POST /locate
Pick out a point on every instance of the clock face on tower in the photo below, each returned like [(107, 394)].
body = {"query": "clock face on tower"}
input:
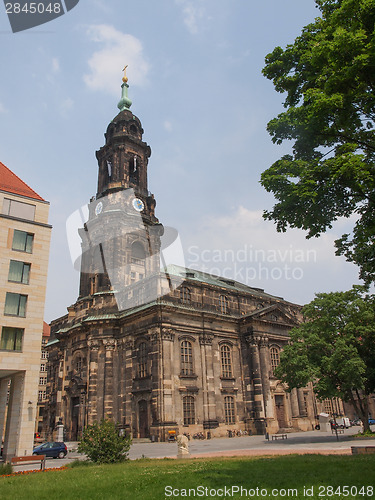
[(99, 208), (138, 205)]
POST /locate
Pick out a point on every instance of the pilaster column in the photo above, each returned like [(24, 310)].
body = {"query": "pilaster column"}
[(256, 375), (167, 340), (20, 426), (121, 370), (209, 407), (92, 396), (109, 345), (301, 403), (3, 403), (294, 403), (128, 348), (265, 368)]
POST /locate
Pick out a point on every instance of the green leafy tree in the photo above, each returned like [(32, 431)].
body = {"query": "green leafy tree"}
[(334, 349), (102, 443), (328, 75)]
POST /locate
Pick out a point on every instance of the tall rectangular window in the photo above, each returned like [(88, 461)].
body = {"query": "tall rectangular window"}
[(275, 357), (11, 339), (328, 408), (226, 361), (188, 406), (186, 358), (22, 241), (19, 272), (229, 413), (15, 304), (42, 395), (142, 360), (18, 209)]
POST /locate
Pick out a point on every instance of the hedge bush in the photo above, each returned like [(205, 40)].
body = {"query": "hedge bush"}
[(103, 444)]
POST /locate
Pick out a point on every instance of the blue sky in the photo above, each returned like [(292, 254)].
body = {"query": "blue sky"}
[(196, 85)]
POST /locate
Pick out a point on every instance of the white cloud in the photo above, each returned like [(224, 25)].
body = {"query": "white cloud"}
[(192, 13), (116, 50), (55, 65), (248, 227), (103, 6), (245, 247), (66, 106), (168, 126)]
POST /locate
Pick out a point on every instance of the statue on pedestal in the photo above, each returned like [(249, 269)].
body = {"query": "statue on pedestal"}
[(60, 431), (182, 446)]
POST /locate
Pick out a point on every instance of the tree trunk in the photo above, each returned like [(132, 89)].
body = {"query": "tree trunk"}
[(361, 407)]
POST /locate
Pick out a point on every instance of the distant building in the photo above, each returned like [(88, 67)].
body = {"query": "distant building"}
[(155, 357), (24, 251), (42, 389)]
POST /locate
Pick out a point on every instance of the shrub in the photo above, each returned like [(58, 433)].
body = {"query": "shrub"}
[(365, 434), (102, 443), (6, 469)]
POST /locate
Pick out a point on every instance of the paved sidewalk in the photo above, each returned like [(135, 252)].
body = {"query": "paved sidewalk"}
[(297, 442), (324, 443)]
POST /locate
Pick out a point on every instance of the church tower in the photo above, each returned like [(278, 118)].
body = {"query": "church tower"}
[(121, 239)]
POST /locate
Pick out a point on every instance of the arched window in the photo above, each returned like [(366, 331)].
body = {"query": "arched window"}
[(224, 304), (186, 358), (142, 360), (138, 254), (275, 357), (133, 169), (230, 417), (188, 406), (185, 295), (226, 361)]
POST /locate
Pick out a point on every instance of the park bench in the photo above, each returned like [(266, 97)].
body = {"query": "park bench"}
[(32, 459), (279, 436)]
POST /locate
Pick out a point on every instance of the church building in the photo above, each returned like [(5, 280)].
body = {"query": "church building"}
[(162, 349)]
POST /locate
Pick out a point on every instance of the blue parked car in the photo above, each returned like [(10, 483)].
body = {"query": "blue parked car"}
[(55, 450), (371, 421)]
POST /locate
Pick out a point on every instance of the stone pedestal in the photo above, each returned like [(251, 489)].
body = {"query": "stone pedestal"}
[(60, 432)]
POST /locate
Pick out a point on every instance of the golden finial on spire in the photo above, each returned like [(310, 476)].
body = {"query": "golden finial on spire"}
[(125, 78)]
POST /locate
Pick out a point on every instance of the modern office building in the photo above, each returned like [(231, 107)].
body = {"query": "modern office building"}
[(24, 251)]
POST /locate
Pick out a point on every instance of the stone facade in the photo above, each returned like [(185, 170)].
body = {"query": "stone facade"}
[(162, 350), (24, 251), (176, 366)]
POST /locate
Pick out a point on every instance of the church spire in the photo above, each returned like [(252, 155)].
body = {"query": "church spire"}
[(124, 102)]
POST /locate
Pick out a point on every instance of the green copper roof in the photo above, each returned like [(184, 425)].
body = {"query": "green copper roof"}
[(52, 342), (211, 279)]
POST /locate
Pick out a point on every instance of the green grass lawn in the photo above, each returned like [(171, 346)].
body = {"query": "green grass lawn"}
[(155, 479)]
